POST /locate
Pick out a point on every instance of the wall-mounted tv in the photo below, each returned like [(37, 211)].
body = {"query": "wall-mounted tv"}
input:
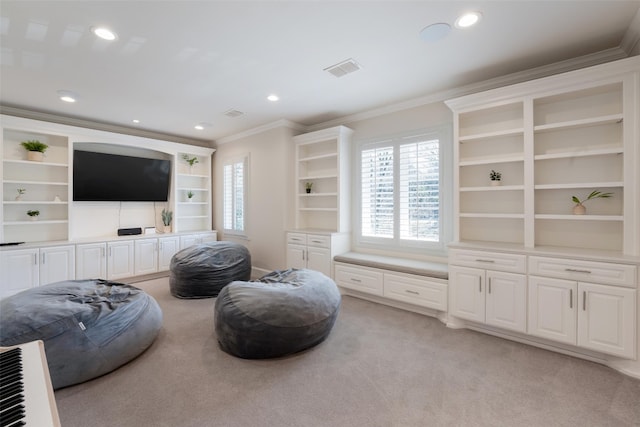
[(102, 177)]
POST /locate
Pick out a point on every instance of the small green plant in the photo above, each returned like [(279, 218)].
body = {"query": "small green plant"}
[(595, 194), (167, 217), (308, 186), (33, 214), (190, 194), (495, 176), (191, 160), (21, 191), (34, 145)]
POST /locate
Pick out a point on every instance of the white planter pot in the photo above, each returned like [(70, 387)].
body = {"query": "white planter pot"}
[(496, 183), (35, 156)]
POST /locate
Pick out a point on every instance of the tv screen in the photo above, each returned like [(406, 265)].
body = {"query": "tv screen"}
[(101, 177)]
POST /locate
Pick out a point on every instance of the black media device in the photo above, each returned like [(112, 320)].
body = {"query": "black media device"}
[(102, 177), (129, 231)]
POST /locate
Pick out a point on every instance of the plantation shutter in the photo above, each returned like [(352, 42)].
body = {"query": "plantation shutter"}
[(377, 192)]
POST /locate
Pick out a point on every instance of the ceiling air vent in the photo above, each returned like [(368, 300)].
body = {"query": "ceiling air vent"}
[(233, 113), (343, 68)]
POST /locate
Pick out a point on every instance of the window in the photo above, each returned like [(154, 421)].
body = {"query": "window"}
[(401, 192), (234, 197)]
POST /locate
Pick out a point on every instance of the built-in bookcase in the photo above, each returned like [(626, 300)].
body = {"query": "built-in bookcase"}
[(193, 214), (552, 139)]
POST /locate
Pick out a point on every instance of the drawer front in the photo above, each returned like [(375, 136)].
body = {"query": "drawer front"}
[(297, 238), (318, 241), (359, 279), (512, 263), (584, 271), (416, 290)]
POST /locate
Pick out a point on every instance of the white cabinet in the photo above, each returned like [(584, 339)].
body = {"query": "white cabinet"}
[(322, 160), (315, 251), (492, 296), (167, 247), (27, 268), (146, 256), (596, 316), (120, 259), (408, 288), (57, 263), (19, 271), (196, 239), (91, 261)]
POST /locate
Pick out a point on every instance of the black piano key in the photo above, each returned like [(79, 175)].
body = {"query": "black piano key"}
[(10, 356), (15, 414), (11, 401), (15, 388), (8, 379)]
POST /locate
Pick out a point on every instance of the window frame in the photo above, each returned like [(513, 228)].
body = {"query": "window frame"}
[(231, 161), (443, 134)]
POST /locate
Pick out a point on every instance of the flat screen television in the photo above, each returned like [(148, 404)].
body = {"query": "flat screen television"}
[(102, 177)]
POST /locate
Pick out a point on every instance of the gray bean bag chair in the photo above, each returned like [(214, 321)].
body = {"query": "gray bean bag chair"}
[(89, 327), (201, 271), (282, 313)]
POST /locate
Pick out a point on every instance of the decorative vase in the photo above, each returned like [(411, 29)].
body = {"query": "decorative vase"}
[(579, 209), (496, 183), (33, 218), (18, 198), (190, 199), (167, 229), (35, 156), (308, 190)]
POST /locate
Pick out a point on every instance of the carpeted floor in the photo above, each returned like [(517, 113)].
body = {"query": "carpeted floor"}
[(379, 367)]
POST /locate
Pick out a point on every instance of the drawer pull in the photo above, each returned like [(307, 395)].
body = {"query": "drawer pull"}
[(491, 261), (316, 241), (584, 300), (574, 270), (295, 239), (412, 292), (356, 280)]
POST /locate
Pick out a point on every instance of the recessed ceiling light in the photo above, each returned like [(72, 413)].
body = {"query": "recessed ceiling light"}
[(202, 126), (468, 19), (67, 96), (136, 121), (273, 98), (104, 33)]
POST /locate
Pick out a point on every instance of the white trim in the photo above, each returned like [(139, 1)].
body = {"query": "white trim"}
[(631, 37)]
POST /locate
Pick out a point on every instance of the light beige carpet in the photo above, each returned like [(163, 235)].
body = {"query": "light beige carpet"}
[(379, 367)]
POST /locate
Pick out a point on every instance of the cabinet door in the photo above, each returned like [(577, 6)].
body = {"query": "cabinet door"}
[(208, 237), (467, 293), (168, 248), (552, 309), (606, 319), (120, 260), (189, 240), (57, 264), (296, 256), (146, 256), (506, 300), (319, 259), (91, 261), (19, 271)]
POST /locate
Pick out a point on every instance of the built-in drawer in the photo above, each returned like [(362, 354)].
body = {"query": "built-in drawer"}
[(359, 278), (416, 290), (512, 263), (318, 240), (297, 238), (584, 271)]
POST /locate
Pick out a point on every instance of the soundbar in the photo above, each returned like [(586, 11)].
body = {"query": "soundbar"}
[(129, 231)]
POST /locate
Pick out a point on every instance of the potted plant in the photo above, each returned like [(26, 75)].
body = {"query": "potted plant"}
[(191, 160), (167, 217), (35, 149), (190, 195), (20, 191), (579, 208), (308, 186), (33, 214), (495, 177)]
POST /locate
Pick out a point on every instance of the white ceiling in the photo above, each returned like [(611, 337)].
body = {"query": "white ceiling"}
[(178, 63)]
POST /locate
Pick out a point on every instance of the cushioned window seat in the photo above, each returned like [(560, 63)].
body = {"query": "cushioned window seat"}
[(400, 265)]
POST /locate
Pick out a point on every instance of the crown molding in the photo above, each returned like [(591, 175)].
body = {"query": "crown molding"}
[(597, 58), (10, 110), (631, 40), (263, 128)]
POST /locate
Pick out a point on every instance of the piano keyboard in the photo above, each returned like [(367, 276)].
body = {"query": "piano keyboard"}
[(26, 395)]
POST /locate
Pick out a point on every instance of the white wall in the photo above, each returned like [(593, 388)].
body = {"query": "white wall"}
[(268, 213)]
